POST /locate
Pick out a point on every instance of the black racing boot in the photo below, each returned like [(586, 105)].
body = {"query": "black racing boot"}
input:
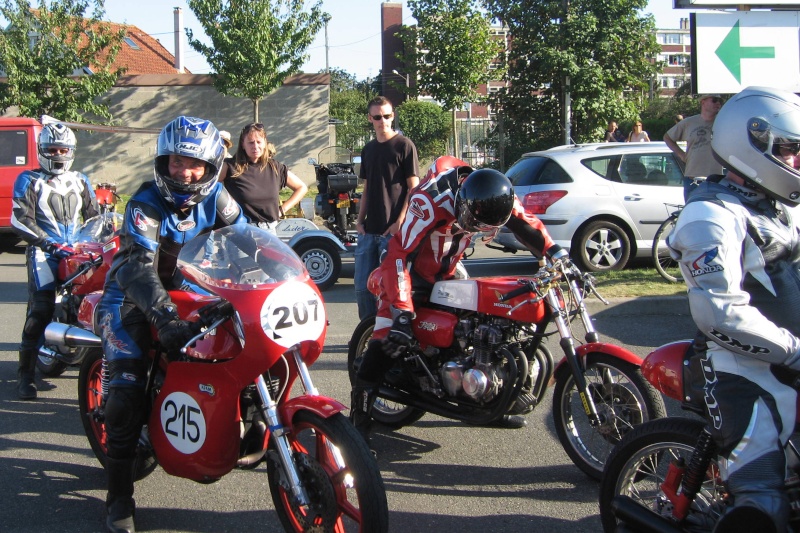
[(510, 422), (362, 398), (119, 501), (26, 372)]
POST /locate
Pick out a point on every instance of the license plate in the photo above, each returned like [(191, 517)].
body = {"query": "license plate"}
[(342, 203)]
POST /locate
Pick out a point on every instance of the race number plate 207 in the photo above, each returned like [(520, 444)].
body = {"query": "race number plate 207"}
[(293, 313)]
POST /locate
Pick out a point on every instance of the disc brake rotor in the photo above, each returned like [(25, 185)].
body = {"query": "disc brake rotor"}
[(322, 511)]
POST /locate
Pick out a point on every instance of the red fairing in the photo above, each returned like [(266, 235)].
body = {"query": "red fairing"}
[(491, 289), (433, 327), (96, 278), (663, 367), (86, 310)]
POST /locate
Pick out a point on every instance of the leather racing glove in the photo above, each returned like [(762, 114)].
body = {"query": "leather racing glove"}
[(173, 333), (400, 336), (58, 250)]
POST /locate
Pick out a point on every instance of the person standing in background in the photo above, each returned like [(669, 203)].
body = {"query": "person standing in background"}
[(637, 134), (47, 207), (696, 131), (255, 179), (611, 132), (389, 169)]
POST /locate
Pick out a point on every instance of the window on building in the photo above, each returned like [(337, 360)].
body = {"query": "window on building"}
[(130, 42), (673, 38)]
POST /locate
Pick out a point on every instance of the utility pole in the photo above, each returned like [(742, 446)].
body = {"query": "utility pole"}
[(325, 19)]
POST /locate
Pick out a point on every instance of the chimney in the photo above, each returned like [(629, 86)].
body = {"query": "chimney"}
[(178, 40)]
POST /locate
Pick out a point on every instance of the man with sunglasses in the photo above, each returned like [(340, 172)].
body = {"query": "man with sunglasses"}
[(698, 160), (389, 169)]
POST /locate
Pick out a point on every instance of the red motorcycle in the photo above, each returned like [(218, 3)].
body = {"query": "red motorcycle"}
[(228, 402), (479, 354), (78, 275), (665, 474)]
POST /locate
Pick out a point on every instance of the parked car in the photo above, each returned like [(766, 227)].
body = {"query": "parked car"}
[(603, 202)]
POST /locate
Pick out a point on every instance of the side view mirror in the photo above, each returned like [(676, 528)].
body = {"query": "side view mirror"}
[(312, 161), (357, 160)]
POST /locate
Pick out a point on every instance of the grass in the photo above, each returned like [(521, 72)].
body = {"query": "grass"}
[(636, 281)]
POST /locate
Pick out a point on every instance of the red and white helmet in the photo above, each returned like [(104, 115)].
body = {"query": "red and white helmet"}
[(445, 164)]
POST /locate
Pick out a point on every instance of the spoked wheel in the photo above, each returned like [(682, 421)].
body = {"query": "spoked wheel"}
[(340, 476), (388, 413), (623, 399), (90, 403), (664, 263), (638, 467)]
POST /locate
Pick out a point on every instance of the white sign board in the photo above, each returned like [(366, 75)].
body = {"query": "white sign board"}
[(731, 51)]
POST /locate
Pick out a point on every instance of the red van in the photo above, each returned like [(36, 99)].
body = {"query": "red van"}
[(18, 138)]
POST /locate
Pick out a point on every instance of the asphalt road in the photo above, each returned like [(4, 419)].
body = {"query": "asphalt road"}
[(440, 475)]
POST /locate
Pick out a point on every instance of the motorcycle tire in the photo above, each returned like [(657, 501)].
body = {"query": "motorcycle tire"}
[(50, 366), (90, 408), (391, 414), (322, 261), (638, 466), (624, 402), (340, 476)]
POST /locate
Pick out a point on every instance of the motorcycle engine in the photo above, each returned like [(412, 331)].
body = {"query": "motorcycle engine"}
[(481, 375)]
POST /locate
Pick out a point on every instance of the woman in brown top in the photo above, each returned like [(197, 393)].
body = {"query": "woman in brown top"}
[(255, 179)]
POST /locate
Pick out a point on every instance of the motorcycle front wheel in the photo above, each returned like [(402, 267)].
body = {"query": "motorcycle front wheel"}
[(90, 407), (623, 398), (392, 414), (339, 474), (638, 467)]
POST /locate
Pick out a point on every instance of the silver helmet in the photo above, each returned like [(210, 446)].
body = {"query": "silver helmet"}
[(56, 136), (748, 134), (188, 137)]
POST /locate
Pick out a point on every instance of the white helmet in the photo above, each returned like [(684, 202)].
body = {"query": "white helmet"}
[(748, 133), (56, 136)]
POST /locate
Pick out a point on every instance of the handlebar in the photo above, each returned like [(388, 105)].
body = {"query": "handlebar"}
[(210, 316)]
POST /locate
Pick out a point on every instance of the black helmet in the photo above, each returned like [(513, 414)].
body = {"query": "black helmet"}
[(189, 137), (484, 201)]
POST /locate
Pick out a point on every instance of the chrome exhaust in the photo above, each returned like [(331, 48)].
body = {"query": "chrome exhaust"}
[(66, 336)]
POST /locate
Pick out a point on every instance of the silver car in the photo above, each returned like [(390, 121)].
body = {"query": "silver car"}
[(603, 202)]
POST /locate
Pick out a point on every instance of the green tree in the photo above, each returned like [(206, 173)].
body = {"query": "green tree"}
[(604, 47), (349, 111), (449, 51), (255, 44), (58, 61), (428, 125)]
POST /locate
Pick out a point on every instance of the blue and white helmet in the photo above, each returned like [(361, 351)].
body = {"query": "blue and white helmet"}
[(188, 137), (56, 136)]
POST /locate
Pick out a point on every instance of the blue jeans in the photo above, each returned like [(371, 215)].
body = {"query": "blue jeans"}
[(689, 185), (367, 258)]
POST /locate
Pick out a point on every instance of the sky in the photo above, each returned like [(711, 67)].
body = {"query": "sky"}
[(354, 43)]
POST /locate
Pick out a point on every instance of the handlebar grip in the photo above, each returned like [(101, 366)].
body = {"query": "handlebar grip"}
[(516, 292)]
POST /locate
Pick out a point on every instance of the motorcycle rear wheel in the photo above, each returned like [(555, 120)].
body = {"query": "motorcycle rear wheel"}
[(623, 399), (50, 366), (346, 492), (392, 414), (90, 407), (638, 466)]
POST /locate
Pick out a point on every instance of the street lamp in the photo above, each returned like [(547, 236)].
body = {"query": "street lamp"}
[(407, 78)]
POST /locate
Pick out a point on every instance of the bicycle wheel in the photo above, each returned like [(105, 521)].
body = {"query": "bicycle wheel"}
[(665, 265)]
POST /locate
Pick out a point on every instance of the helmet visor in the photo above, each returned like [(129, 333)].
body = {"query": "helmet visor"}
[(772, 140), (58, 153)]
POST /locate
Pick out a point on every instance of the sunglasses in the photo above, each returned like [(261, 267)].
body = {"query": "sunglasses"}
[(254, 126), (715, 100), (794, 148), (378, 117)]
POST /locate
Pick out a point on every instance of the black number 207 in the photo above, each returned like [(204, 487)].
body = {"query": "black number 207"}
[(299, 314)]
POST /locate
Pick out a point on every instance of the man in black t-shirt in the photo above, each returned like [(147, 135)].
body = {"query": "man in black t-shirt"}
[(389, 168)]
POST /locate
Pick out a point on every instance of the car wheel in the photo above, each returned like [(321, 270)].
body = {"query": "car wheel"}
[(601, 245)]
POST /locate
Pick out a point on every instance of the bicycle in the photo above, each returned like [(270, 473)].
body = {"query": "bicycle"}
[(664, 263)]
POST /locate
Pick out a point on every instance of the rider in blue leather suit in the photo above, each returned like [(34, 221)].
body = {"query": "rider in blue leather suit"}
[(48, 204), (184, 200)]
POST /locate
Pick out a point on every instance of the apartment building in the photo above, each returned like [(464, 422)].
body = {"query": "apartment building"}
[(675, 55)]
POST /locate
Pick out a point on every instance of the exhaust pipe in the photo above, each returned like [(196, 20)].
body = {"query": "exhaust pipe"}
[(66, 336), (641, 519)]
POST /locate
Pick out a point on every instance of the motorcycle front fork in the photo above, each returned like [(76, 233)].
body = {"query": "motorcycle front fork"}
[(278, 431), (555, 300)]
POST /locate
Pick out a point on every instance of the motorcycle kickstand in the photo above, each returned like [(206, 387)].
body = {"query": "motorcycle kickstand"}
[(269, 411)]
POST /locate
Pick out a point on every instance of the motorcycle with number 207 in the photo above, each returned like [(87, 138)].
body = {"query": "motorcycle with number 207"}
[(227, 401), (478, 354)]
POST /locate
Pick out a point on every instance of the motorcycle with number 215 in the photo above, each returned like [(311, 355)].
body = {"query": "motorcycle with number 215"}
[(227, 401), (478, 354)]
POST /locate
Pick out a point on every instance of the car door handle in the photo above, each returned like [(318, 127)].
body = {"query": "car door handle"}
[(634, 198)]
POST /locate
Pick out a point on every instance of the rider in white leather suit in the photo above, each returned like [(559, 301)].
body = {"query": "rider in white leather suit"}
[(739, 251)]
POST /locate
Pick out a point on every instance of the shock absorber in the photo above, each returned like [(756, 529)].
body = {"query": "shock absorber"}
[(695, 473)]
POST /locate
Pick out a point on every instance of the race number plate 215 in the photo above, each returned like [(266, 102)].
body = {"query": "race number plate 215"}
[(293, 313)]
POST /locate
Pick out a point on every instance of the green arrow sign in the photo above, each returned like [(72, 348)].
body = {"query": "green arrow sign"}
[(731, 52)]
